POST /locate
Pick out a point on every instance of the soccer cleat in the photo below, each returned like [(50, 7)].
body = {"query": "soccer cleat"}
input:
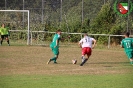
[(49, 61), (81, 64), (55, 62)]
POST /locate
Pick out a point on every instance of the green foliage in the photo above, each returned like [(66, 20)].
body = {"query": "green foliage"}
[(103, 40), (98, 17), (104, 20), (116, 29), (75, 38), (103, 23)]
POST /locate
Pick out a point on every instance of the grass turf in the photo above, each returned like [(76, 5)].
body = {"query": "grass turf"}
[(25, 67), (67, 81)]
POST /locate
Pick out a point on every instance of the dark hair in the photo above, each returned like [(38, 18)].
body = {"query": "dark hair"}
[(58, 31), (85, 34), (127, 34)]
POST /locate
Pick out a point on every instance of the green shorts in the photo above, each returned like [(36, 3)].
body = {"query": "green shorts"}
[(55, 50), (129, 54)]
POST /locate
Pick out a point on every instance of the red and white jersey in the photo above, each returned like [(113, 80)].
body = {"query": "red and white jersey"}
[(86, 42)]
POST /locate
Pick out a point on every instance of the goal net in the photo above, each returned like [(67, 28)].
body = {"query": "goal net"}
[(18, 22)]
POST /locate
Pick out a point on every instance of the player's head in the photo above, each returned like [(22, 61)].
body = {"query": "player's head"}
[(85, 34), (127, 34), (3, 25), (58, 31)]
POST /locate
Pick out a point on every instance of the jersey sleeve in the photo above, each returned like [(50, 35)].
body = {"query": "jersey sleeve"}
[(81, 41), (92, 39), (58, 37), (122, 43)]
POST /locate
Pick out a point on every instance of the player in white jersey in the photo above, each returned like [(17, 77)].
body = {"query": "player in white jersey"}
[(86, 43)]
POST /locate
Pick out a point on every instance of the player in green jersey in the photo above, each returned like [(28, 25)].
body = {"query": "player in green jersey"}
[(4, 34), (127, 44), (55, 46)]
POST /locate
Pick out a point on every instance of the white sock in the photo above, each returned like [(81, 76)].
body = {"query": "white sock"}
[(83, 58)]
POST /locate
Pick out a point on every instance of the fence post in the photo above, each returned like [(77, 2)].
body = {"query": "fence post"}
[(31, 37), (81, 35), (109, 42)]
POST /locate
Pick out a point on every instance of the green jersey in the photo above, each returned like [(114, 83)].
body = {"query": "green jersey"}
[(4, 31), (127, 44), (55, 38)]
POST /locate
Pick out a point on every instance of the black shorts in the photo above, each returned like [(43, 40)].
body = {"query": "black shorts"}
[(4, 36)]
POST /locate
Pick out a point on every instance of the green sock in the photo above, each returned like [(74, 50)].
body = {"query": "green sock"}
[(131, 62), (53, 59)]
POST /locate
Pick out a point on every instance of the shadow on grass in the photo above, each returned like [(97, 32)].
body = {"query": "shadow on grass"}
[(110, 63)]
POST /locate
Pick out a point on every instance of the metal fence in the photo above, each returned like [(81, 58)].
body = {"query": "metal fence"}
[(53, 12), (45, 38)]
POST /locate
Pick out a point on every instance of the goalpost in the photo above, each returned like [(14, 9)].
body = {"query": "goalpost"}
[(20, 17)]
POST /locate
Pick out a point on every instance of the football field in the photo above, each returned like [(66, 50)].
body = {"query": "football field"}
[(25, 67)]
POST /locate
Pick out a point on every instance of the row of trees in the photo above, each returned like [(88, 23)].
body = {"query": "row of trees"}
[(99, 17)]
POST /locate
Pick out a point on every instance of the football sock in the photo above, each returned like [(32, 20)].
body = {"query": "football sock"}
[(8, 41), (1, 42), (82, 58), (83, 62), (53, 59), (131, 62)]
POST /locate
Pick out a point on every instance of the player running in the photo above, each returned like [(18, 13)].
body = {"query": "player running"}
[(86, 43), (127, 44), (4, 34), (55, 46)]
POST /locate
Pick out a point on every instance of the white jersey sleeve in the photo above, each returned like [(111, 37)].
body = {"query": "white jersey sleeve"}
[(86, 42)]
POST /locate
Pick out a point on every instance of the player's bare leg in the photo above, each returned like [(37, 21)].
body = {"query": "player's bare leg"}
[(7, 41), (131, 61)]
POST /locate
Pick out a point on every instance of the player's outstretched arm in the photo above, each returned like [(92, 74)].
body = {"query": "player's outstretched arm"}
[(56, 43), (80, 45), (94, 43), (122, 45)]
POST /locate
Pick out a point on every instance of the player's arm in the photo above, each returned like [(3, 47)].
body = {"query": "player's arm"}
[(94, 43), (57, 41), (122, 45), (80, 45)]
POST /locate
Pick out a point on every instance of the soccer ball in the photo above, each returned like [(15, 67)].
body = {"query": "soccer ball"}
[(74, 61)]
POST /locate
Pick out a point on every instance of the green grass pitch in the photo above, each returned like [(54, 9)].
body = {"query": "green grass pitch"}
[(25, 67)]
